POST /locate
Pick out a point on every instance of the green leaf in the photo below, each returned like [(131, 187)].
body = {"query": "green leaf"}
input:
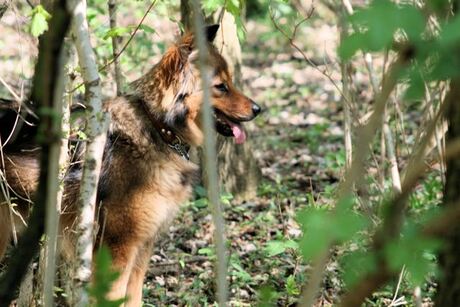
[(317, 235), (322, 228), (116, 32), (416, 89), (147, 29), (450, 34), (414, 252), (274, 248), (351, 45), (201, 203), (241, 273), (291, 286), (356, 265), (104, 277), (267, 296), (210, 6), (206, 251), (39, 22), (233, 7), (376, 25)]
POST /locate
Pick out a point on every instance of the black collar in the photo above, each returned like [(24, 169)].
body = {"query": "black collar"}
[(167, 134)]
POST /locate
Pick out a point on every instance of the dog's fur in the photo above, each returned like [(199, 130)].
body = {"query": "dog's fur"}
[(143, 179)]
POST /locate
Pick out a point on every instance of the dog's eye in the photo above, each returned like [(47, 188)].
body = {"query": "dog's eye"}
[(222, 87)]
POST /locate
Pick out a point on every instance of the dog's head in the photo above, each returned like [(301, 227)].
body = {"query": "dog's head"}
[(182, 101)]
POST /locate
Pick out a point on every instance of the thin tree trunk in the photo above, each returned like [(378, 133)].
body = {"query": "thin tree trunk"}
[(449, 284), (96, 137), (210, 158), (60, 167), (44, 95)]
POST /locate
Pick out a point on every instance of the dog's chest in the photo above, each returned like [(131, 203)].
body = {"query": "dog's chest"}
[(155, 200)]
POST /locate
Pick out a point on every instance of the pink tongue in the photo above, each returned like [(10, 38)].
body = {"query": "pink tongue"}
[(238, 133)]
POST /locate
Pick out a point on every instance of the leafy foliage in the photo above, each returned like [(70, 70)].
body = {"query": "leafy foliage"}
[(321, 228), (39, 23), (104, 277)]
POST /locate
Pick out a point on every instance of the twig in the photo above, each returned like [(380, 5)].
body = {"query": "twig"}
[(344, 69), (397, 301), (291, 40)]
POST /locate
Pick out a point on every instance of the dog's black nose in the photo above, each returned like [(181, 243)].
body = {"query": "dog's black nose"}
[(255, 108)]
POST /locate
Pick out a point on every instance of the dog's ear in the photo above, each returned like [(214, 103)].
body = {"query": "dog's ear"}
[(211, 32), (187, 40)]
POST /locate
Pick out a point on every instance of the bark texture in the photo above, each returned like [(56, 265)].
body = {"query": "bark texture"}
[(96, 133)]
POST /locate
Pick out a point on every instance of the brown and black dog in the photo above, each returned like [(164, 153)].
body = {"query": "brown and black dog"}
[(146, 173)]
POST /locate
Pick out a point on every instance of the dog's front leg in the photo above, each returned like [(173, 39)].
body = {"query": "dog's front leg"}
[(136, 280)]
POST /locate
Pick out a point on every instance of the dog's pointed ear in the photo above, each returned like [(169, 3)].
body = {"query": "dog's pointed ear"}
[(211, 32)]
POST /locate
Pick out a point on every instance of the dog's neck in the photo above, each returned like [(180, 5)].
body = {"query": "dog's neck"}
[(166, 133), (159, 91)]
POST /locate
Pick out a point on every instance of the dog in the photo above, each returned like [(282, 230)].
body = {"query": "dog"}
[(146, 172)]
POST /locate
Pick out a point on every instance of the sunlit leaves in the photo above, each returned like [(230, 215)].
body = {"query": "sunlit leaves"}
[(414, 252), (116, 32), (39, 23), (434, 54), (375, 27)]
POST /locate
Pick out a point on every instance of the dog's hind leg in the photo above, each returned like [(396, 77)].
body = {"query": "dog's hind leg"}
[(136, 280)]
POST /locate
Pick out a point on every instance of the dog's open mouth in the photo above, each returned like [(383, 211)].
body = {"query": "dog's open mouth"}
[(229, 127)]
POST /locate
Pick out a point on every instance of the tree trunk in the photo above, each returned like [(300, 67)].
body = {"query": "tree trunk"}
[(97, 125), (449, 284)]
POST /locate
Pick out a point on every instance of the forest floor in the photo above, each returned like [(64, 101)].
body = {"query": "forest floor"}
[(298, 144)]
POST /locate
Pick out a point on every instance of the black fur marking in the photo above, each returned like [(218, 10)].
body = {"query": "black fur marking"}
[(211, 32), (177, 116), (181, 98)]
